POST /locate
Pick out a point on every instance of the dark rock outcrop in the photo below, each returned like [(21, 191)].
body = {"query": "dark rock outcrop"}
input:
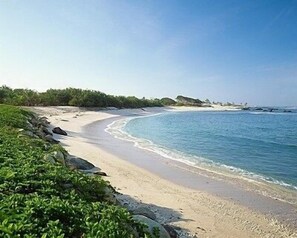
[(59, 157), (55, 157), (26, 133), (94, 171), (58, 130), (74, 162), (152, 225), (50, 139), (171, 231), (50, 158), (46, 131), (100, 173), (144, 211)]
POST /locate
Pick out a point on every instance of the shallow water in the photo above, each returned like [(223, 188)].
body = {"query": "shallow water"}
[(258, 146), (277, 202)]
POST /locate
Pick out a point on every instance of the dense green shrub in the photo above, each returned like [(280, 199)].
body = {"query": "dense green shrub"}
[(71, 97), (40, 199)]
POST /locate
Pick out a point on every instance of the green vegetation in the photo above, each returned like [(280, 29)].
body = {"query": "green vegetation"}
[(41, 199), (186, 101), (71, 97), (168, 102)]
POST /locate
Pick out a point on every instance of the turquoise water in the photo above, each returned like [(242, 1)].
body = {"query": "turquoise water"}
[(259, 145)]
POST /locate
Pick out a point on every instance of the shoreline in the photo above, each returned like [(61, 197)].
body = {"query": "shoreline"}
[(194, 210), (191, 177), (211, 168), (247, 180)]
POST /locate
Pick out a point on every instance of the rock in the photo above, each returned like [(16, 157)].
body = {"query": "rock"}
[(46, 131), (40, 134), (100, 173), (29, 126), (33, 121), (50, 158), (152, 225), (55, 157), (58, 130), (144, 211), (50, 139), (78, 163), (171, 231), (94, 171), (43, 121), (109, 196), (26, 133), (59, 157)]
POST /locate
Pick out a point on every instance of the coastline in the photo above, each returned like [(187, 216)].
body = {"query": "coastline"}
[(196, 211)]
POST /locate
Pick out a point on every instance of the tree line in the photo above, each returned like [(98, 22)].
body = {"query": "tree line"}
[(72, 97)]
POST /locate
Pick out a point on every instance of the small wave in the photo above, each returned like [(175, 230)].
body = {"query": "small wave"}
[(116, 129)]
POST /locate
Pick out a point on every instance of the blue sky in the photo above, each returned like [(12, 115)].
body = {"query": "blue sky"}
[(241, 51)]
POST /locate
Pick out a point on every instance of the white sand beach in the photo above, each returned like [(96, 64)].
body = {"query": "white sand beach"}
[(197, 213)]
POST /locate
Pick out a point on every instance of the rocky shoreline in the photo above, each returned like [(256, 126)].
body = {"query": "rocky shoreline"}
[(39, 127)]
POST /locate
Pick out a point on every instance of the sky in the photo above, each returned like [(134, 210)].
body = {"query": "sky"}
[(222, 50)]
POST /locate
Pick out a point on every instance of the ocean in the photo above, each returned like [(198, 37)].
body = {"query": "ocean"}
[(253, 145)]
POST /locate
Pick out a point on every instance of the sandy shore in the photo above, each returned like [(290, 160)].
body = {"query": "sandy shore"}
[(196, 212)]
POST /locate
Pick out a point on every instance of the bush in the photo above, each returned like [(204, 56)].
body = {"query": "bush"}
[(40, 199)]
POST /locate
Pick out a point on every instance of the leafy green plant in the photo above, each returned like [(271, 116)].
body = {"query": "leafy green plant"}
[(40, 199)]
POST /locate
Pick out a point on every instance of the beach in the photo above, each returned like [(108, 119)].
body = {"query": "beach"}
[(209, 209)]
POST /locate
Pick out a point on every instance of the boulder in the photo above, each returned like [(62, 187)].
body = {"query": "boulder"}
[(144, 211), (40, 134), (78, 163), (33, 120), (94, 171), (55, 157), (171, 231), (50, 158), (26, 133), (29, 126), (100, 173), (109, 196), (59, 157), (151, 226), (44, 119), (50, 139), (46, 131), (58, 130)]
